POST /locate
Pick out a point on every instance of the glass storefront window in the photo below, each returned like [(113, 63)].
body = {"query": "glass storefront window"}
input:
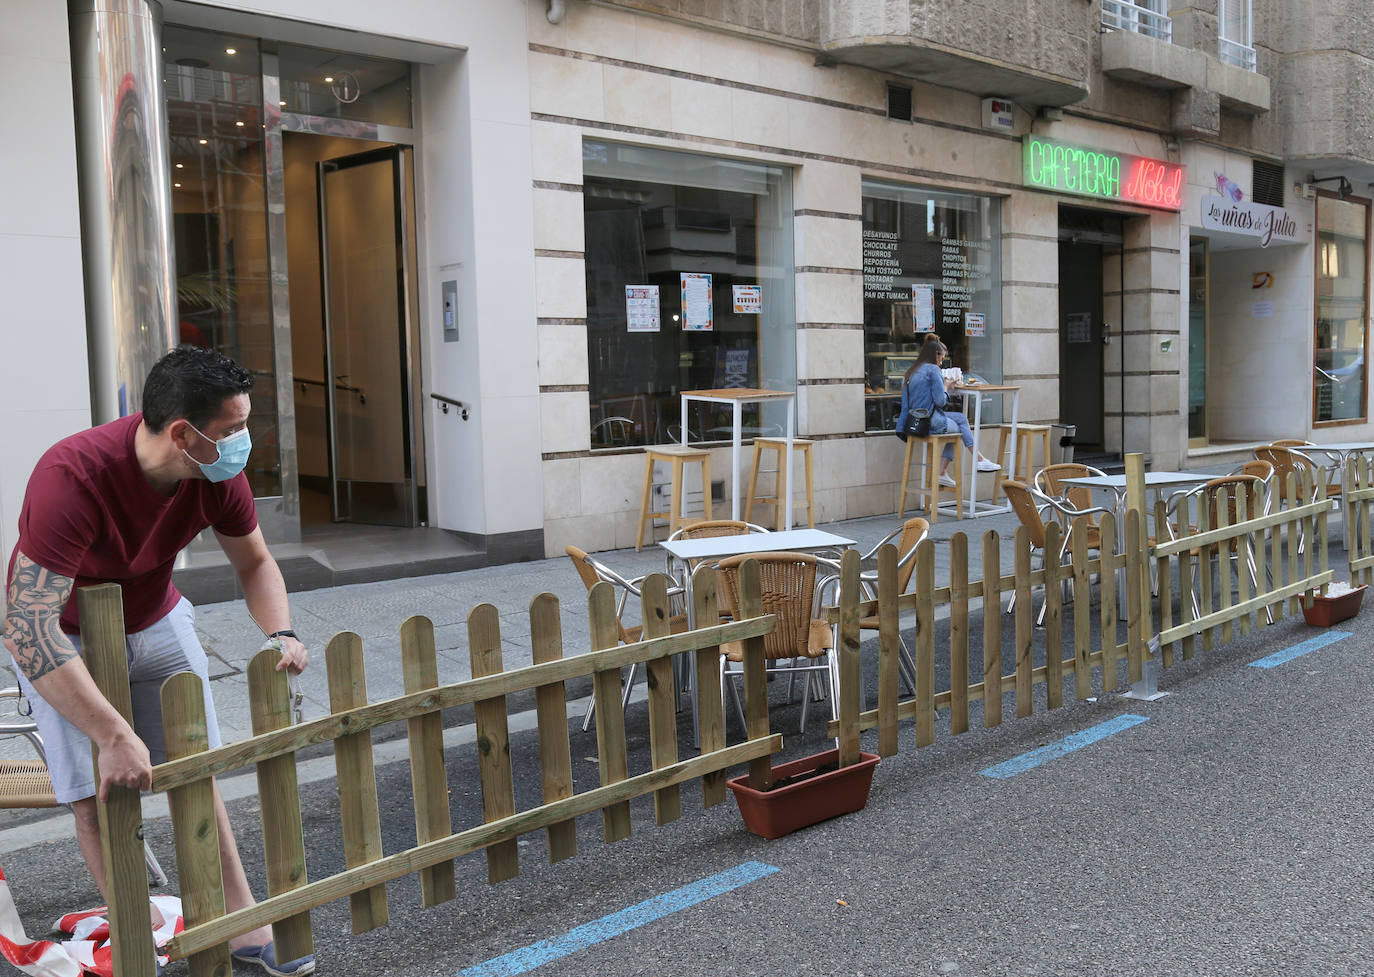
[(336, 85), (689, 287), (219, 217), (932, 263), (1342, 304)]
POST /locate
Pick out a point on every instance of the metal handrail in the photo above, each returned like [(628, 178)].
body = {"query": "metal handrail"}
[(308, 382), (446, 402), (1123, 15)]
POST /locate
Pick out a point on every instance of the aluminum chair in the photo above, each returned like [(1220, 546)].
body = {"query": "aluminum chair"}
[(1209, 494), (1030, 506), (26, 784), (788, 590), (593, 572)]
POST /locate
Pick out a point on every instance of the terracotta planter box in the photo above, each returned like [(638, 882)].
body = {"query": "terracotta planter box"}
[(805, 792), (1322, 612)]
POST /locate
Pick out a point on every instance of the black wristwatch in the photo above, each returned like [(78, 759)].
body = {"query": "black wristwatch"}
[(288, 633)]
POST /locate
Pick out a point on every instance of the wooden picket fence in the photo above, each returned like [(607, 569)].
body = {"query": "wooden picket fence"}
[(1358, 498), (1084, 651), (185, 777)]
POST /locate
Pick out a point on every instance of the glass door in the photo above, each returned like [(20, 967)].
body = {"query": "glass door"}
[(1197, 342), (365, 272)]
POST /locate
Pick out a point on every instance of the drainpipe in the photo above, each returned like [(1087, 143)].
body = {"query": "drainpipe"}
[(556, 11), (126, 196)]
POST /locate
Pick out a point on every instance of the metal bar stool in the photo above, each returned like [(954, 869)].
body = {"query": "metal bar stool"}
[(676, 456), (778, 446), (934, 444)]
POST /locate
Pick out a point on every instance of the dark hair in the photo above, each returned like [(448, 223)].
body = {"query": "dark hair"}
[(930, 351), (191, 383)]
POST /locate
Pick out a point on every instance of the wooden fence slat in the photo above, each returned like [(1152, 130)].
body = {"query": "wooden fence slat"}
[(101, 612), (425, 739), (194, 826), (656, 615), (1186, 596), (1245, 546), (1054, 638), (992, 630), (1320, 529), (1082, 617), (889, 665), (1204, 571), (1025, 609), (493, 740), (755, 675), (283, 837), (925, 642), (359, 813), (710, 708), (1137, 614), (1107, 606), (612, 761), (1272, 554), (551, 707), (1164, 583), (958, 634), (1296, 540), (1364, 480), (1222, 554)]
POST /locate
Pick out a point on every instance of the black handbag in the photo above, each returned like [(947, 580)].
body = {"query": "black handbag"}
[(917, 425)]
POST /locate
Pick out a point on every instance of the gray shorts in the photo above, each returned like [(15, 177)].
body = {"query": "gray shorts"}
[(155, 653)]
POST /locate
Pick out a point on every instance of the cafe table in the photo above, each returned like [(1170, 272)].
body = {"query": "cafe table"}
[(973, 507), (713, 548), (736, 398), (1157, 481)]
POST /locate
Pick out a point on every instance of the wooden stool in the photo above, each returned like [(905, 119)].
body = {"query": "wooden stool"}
[(779, 500), (677, 456), (1026, 435), (934, 445)]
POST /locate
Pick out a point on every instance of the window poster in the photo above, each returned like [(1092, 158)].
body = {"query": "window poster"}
[(697, 314), (923, 308), (748, 299), (975, 324), (641, 308)]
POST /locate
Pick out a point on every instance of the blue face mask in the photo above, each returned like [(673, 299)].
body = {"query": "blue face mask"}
[(233, 455)]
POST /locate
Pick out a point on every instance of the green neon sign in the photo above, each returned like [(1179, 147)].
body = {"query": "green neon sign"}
[(1102, 174)]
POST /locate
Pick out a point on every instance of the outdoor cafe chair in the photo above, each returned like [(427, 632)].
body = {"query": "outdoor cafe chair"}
[(1290, 461), (1209, 495), (710, 529), (788, 589), (593, 572), (1049, 481), (1030, 506), (25, 784)]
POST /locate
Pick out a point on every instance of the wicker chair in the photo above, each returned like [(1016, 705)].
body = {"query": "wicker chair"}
[(1028, 504), (788, 589), (25, 784), (593, 572)]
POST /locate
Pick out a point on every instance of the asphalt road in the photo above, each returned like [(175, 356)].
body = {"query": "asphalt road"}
[(1225, 835)]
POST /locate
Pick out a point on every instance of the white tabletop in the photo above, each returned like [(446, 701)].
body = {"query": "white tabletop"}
[(716, 547), (1341, 447), (1152, 480)]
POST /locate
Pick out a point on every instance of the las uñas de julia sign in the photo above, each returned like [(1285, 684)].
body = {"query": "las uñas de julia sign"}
[(1246, 217)]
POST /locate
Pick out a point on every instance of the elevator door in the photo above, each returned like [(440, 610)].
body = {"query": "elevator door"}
[(365, 289), (1081, 341)]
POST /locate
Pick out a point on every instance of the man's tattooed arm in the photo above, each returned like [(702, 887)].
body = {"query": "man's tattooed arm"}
[(34, 606)]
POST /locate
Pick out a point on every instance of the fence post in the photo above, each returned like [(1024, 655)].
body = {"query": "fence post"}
[(662, 696), (101, 612), (425, 740), (958, 634), (1025, 617), (551, 704), (493, 740), (1054, 635), (610, 714), (992, 629), (1136, 502), (283, 838), (755, 678), (710, 708), (850, 673), (194, 825)]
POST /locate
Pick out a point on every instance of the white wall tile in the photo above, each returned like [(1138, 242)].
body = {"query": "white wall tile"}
[(562, 355), (558, 221), (560, 288)]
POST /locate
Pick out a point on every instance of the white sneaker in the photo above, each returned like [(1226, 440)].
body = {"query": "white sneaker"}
[(947, 481), (987, 465)]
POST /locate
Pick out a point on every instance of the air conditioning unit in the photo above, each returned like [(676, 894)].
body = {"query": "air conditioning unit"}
[(1305, 191)]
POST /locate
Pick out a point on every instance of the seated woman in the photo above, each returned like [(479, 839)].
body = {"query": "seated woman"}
[(927, 389)]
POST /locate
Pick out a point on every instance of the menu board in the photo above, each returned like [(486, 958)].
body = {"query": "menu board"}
[(697, 314), (923, 307), (641, 308), (881, 267)]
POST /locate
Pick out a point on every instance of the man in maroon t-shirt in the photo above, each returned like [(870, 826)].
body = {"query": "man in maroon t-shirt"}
[(117, 503)]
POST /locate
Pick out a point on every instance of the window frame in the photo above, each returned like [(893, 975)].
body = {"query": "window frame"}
[(1366, 202)]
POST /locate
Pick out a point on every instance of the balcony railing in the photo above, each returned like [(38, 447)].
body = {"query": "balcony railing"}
[(1233, 52), (1122, 15)]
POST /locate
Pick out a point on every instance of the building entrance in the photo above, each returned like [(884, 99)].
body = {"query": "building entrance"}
[(1089, 255)]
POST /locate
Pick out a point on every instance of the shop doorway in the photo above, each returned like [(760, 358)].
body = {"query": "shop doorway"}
[(350, 220), (1089, 254)]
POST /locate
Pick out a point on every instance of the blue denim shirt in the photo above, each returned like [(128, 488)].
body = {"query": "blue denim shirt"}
[(925, 391)]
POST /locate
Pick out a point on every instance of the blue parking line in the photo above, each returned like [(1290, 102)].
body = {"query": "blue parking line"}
[(588, 934), (1033, 759), (1300, 649)]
